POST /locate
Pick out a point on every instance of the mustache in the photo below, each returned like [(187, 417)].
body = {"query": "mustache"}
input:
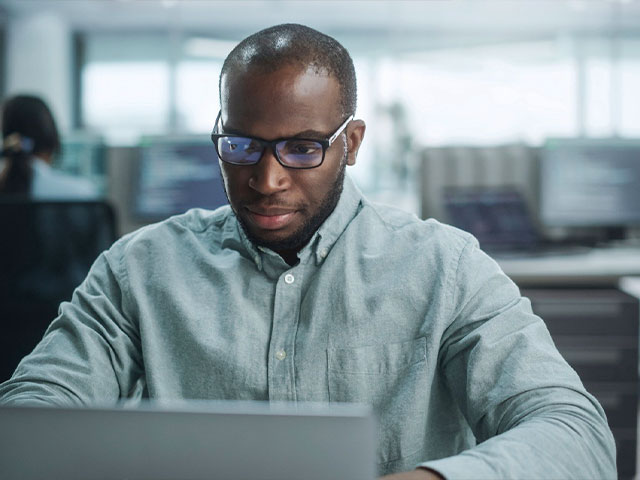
[(273, 201)]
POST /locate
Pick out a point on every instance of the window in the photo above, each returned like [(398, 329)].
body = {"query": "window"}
[(197, 101), (124, 99), (629, 92), (136, 84)]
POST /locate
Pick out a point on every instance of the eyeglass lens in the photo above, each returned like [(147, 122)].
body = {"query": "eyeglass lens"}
[(247, 151)]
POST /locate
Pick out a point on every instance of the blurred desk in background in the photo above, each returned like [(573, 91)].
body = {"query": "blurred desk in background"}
[(598, 267), (590, 304), (631, 285)]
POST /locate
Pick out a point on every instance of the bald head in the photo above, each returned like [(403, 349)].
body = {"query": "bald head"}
[(294, 45)]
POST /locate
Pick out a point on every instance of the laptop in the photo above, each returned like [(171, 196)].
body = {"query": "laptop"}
[(189, 440), (501, 221)]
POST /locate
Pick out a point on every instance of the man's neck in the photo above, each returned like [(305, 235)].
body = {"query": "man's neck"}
[(289, 256)]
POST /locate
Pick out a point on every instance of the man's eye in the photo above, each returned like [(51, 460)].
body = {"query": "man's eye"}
[(303, 148), (252, 147)]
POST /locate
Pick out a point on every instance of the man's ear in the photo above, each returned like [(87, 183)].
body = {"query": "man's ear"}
[(355, 135)]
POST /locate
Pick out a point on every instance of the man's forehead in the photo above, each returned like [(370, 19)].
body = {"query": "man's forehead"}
[(287, 72), (290, 90)]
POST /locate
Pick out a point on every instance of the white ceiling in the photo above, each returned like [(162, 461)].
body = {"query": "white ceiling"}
[(436, 18)]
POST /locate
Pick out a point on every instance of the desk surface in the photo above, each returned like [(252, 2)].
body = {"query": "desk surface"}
[(597, 267), (631, 285)]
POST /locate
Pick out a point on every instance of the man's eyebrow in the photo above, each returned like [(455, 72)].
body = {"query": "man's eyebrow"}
[(227, 129), (310, 134)]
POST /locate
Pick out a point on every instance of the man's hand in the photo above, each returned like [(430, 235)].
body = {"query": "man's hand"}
[(417, 474)]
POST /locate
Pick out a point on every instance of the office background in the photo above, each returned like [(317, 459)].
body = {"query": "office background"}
[(433, 73), (523, 114)]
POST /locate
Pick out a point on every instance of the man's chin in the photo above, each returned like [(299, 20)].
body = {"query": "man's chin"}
[(276, 240)]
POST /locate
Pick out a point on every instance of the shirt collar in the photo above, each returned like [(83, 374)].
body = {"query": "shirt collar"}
[(333, 227), (325, 237)]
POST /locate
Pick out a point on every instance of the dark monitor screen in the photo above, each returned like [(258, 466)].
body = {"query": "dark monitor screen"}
[(590, 183), (498, 217), (175, 175)]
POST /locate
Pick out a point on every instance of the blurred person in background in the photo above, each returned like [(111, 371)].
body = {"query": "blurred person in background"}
[(30, 142)]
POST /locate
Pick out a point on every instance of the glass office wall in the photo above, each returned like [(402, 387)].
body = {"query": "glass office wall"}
[(482, 93)]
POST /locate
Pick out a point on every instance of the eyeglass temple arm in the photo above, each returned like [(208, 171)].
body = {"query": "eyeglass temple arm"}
[(215, 125), (340, 129), (331, 139)]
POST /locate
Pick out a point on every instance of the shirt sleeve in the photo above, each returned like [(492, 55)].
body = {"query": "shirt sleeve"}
[(89, 354), (530, 414)]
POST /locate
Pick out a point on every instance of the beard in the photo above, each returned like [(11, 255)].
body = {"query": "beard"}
[(301, 237)]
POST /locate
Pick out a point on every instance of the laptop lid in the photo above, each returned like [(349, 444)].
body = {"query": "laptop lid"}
[(497, 216), (201, 440)]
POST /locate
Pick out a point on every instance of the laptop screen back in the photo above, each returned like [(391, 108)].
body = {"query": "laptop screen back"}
[(227, 440)]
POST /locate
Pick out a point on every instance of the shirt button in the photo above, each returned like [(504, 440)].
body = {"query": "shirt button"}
[(324, 252), (281, 354), (288, 278)]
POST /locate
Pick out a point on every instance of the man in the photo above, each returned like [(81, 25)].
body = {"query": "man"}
[(302, 290)]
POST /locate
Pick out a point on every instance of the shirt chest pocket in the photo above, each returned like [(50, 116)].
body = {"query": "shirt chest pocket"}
[(393, 379)]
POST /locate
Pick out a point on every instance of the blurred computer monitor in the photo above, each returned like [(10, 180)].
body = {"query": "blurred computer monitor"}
[(497, 216), (175, 174), (84, 154), (590, 183)]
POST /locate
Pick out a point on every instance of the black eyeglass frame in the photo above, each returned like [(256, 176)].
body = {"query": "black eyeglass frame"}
[(324, 142)]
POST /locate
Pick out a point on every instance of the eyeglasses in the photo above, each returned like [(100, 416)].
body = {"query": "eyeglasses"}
[(290, 152)]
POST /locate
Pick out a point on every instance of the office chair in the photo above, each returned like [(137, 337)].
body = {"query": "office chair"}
[(46, 250)]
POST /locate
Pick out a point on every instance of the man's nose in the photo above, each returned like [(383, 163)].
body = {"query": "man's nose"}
[(268, 176)]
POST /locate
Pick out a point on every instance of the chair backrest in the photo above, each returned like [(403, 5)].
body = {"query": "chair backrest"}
[(46, 250)]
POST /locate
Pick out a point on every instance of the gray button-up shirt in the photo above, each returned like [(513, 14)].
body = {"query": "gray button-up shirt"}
[(382, 308)]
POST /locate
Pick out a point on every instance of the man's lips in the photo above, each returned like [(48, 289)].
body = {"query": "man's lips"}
[(270, 218)]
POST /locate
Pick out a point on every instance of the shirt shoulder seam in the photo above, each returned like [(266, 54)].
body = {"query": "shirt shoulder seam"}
[(455, 272), (389, 225)]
